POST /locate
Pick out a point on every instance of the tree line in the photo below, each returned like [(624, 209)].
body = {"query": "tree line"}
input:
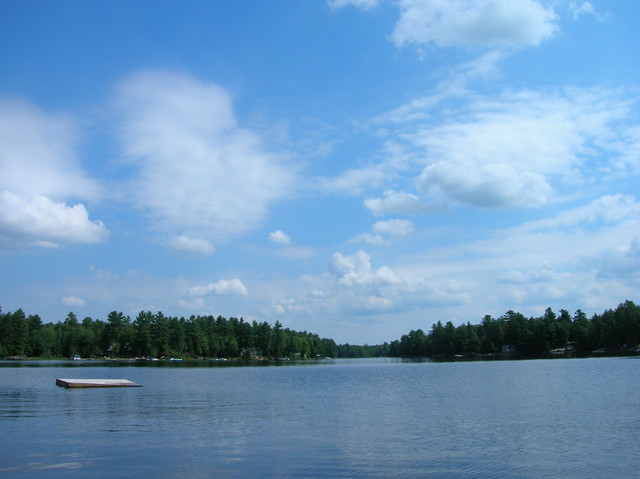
[(155, 336), (613, 331)]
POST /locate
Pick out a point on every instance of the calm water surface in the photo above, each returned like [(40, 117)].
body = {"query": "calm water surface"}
[(360, 418)]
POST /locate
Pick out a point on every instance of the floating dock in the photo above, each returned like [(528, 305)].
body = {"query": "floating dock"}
[(96, 383)]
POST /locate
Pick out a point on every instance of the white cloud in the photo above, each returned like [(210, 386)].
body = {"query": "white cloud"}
[(36, 219), (543, 273), (40, 171), (483, 67), (360, 296), (394, 227), (611, 209), (223, 287), (375, 240), (199, 172), (577, 9), (451, 23), (73, 302), (580, 256), (375, 303), (485, 186), (191, 246), (354, 181), (400, 203), (627, 146), (280, 237), (356, 271), (623, 266), (607, 209), (454, 86), (361, 4), (522, 128), (515, 150), (37, 154)]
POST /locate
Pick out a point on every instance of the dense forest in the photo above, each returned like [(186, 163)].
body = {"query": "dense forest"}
[(155, 336), (152, 335), (612, 332)]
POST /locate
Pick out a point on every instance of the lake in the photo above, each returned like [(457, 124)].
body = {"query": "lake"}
[(383, 418)]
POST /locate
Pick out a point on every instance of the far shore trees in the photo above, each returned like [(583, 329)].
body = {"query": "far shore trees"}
[(156, 335), (613, 331)]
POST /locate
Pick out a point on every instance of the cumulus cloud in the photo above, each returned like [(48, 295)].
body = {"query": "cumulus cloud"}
[(39, 220), (191, 246), (40, 171), (357, 289), (610, 209), (280, 237), (510, 151), (361, 4), (394, 227), (465, 23), (223, 287), (486, 186), (356, 271), (198, 171), (73, 302)]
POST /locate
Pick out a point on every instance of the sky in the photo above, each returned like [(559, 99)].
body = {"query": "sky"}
[(353, 168)]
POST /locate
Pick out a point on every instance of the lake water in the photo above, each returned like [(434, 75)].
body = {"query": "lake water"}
[(576, 418)]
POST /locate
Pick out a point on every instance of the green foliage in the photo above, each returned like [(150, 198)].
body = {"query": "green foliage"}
[(611, 331), (14, 333), (156, 335), (355, 351)]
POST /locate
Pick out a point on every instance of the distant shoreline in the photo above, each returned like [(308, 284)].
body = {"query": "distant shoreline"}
[(437, 359)]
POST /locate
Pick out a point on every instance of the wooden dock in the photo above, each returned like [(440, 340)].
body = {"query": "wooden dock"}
[(96, 383)]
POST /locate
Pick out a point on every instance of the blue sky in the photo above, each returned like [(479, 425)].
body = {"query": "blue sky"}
[(355, 168)]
